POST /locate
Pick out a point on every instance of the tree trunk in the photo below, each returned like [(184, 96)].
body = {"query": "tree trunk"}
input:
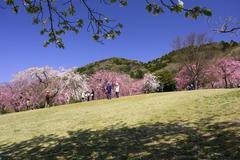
[(226, 83)]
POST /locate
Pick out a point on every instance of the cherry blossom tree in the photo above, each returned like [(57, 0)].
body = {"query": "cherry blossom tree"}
[(224, 73), (99, 81), (150, 83), (32, 84), (71, 86), (65, 86), (212, 77), (128, 86), (193, 59), (188, 76), (6, 97), (228, 70)]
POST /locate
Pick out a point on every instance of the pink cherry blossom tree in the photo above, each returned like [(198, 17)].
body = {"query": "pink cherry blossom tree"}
[(212, 77), (99, 80), (128, 86), (187, 76), (32, 84), (224, 73), (65, 86), (6, 97), (228, 70)]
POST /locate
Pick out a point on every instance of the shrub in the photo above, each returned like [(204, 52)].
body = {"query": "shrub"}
[(166, 80)]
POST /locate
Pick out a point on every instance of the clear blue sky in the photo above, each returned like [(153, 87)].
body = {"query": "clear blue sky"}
[(144, 37)]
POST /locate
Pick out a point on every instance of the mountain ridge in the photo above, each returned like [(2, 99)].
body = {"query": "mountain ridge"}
[(168, 62)]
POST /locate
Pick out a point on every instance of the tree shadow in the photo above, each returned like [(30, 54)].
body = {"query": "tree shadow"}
[(176, 140)]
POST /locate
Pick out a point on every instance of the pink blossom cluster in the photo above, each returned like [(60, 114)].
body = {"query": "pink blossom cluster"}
[(128, 86), (65, 86), (224, 73), (184, 78), (31, 85)]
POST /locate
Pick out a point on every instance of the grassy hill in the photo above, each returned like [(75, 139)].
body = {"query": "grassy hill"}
[(203, 124)]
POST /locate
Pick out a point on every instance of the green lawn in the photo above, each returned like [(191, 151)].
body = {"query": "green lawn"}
[(202, 124)]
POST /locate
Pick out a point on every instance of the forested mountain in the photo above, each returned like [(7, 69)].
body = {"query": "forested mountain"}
[(171, 62), (134, 68)]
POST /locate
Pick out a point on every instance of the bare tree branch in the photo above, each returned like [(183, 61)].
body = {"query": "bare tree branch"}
[(59, 17)]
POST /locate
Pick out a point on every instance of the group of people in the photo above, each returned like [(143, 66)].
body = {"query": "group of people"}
[(85, 96), (109, 89), (190, 87), (88, 95)]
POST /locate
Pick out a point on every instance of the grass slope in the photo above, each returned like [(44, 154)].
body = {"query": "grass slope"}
[(202, 124)]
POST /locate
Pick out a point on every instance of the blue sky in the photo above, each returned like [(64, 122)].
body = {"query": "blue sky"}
[(144, 37)]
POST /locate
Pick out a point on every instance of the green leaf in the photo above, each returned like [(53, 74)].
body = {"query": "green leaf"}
[(157, 10), (149, 7), (118, 32), (120, 25), (15, 9), (178, 8), (71, 10), (96, 37), (123, 3), (45, 21), (60, 32), (80, 23), (197, 8), (45, 45), (74, 29), (10, 2), (33, 9), (43, 31), (113, 1), (64, 13), (207, 12), (35, 20), (106, 20), (60, 43), (99, 22)]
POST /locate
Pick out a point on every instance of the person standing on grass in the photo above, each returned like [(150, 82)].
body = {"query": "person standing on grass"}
[(109, 91), (47, 99), (28, 103), (92, 94), (88, 95), (83, 97), (117, 90)]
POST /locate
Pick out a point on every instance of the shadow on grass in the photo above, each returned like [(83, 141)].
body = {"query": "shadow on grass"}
[(148, 141)]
